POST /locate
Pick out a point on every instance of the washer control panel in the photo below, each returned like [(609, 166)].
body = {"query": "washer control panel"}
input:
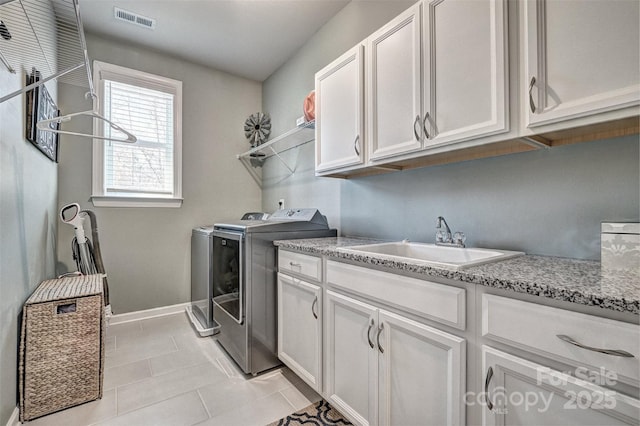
[(301, 215)]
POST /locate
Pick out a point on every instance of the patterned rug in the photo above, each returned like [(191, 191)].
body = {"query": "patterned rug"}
[(318, 414)]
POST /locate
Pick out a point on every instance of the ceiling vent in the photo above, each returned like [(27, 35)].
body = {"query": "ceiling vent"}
[(134, 18)]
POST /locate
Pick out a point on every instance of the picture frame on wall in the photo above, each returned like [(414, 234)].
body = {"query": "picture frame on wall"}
[(40, 106)]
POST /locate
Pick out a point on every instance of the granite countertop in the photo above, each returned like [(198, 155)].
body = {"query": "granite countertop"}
[(572, 280)]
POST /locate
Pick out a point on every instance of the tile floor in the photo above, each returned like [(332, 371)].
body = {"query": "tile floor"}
[(160, 372)]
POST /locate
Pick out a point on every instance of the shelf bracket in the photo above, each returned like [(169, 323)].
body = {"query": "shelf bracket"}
[(254, 174), (284, 163), (292, 139)]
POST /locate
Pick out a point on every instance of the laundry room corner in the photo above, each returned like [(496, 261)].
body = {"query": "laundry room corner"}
[(146, 251)]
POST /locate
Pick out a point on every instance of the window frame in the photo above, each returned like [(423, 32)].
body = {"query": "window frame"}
[(104, 71)]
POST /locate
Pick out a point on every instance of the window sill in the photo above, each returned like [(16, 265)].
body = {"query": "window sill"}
[(123, 201)]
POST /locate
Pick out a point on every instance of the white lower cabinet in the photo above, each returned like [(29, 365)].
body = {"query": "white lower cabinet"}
[(521, 392), (384, 368), (590, 342), (351, 339), (300, 328), (351, 358), (421, 373)]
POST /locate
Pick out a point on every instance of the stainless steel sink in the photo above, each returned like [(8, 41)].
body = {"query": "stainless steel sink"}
[(432, 255)]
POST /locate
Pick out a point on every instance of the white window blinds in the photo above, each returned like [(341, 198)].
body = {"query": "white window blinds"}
[(147, 173), (147, 166)]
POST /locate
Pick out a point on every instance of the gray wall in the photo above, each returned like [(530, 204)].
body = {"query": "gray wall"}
[(283, 94), (545, 202), (146, 251), (28, 185)]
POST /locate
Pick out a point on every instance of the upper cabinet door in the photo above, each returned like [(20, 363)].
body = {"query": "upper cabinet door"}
[(581, 57), (394, 86), (339, 112), (466, 69)]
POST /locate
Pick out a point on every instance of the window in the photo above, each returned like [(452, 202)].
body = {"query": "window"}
[(148, 172)]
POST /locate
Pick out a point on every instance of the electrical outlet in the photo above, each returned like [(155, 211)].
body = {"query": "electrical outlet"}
[(281, 203)]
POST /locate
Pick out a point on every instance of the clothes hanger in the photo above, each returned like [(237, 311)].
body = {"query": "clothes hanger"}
[(44, 125)]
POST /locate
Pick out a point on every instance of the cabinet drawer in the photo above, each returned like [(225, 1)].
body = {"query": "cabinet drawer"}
[(535, 328), (437, 302), (300, 264)]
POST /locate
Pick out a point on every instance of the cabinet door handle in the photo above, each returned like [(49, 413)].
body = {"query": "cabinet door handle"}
[(313, 307), (294, 265), (424, 125), (356, 145), (532, 104), (369, 333), (614, 352), (487, 381), (380, 327), (415, 132)]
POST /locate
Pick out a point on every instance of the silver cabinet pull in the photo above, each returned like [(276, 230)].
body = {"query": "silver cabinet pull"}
[(487, 381), (424, 125), (415, 132), (356, 145), (380, 327), (294, 265), (532, 104), (313, 306), (369, 333), (614, 352)]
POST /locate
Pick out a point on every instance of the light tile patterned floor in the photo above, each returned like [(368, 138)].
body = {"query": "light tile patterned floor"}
[(159, 372)]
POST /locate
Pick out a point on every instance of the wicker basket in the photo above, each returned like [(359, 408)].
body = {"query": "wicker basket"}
[(61, 346)]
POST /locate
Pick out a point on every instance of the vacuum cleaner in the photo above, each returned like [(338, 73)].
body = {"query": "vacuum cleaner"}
[(86, 252)]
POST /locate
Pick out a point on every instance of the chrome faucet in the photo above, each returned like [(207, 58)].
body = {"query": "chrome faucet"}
[(444, 237)]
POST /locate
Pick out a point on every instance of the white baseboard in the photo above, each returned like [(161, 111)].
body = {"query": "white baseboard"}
[(148, 313), (14, 420)]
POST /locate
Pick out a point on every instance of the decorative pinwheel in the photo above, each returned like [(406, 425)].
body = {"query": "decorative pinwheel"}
[(257, 128)]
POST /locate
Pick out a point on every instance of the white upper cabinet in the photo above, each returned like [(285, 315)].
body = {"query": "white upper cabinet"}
[(466, 69), (581, 58), (479, 77), (339, 112), (393, 97)]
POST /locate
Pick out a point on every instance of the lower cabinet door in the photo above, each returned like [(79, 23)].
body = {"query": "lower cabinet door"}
[(421, 373), (300, 328), (521, 392), (351, 358)]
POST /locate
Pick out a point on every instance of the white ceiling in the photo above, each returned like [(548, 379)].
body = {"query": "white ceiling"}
[(249, 38)]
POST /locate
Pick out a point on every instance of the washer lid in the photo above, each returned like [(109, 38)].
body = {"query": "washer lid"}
[(305, 215), (255, 216)]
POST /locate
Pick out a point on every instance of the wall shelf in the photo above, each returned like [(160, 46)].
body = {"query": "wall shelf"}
[(63, 57), (294, 138)]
